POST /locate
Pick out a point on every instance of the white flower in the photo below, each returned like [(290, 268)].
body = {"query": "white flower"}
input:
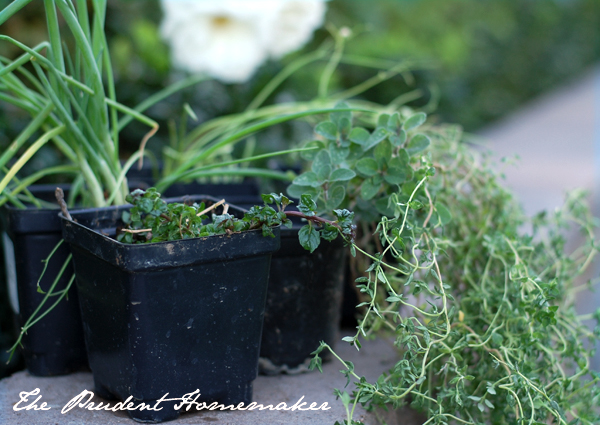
[(230, 39), (294, 25)]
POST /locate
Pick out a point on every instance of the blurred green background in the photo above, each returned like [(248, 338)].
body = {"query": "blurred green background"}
[(489, 56), (473, 62), (480, 59)]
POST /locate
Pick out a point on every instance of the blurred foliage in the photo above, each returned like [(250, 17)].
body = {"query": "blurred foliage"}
[(491, 56), (478, 59)]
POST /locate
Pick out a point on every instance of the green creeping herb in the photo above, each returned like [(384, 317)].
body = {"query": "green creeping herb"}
[(365, 171), (477, 297), (151, 219)]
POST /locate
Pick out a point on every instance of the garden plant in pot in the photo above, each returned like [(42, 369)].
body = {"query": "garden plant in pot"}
[(302, 308), (347, 167), (55, 346), (71, 98), (70, 95), (173, 302), (477, 297), (86, 129), (69, 105)]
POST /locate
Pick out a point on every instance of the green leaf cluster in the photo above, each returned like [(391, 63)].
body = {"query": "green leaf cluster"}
[(371, 171), (476, 296), (159, 221), (152, 219)]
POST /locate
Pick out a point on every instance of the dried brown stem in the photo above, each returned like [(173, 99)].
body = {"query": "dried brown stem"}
[(212, 207), (151, 133), (313, 218), (60, 197), (136, 231)]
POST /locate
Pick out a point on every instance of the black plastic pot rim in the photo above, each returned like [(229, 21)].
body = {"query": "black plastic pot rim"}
[(159, 254), (158, 244)]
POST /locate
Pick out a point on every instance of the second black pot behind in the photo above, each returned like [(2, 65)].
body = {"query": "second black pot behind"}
[(303, 303)]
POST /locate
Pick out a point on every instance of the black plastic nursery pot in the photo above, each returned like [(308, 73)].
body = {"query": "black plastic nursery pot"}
[(170, 317), (55, 345), (303, 303)]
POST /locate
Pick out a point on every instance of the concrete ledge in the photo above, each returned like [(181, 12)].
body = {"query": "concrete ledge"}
[(374, 358)]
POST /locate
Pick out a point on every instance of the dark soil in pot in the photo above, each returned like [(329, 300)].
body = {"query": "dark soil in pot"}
[(170, 317)]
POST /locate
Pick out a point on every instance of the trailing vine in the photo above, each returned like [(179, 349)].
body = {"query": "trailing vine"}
[(477, 297)]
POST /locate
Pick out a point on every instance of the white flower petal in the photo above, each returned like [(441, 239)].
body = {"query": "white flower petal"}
[(295, 24), (229, 39)]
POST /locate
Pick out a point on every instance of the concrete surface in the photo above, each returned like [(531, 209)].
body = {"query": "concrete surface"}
[(374, 358), (557, 138)]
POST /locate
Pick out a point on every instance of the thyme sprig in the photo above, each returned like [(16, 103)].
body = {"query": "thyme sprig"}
[(152, 219), (477, 297)]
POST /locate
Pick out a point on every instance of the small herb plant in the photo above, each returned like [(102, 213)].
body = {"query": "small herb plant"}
[(151, 219), (369, 172), (480, 309)]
